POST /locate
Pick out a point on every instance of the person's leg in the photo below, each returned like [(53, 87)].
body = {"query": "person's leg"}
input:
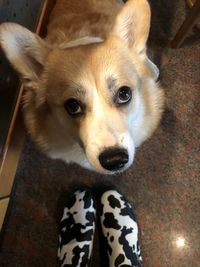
[(120, 230), (77, 230)]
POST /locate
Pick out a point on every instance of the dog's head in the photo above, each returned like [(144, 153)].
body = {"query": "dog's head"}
[(98, 94)]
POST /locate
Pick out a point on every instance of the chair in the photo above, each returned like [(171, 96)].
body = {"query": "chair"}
[(187, 24)]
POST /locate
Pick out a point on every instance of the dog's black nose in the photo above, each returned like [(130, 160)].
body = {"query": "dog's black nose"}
[(113, 159)]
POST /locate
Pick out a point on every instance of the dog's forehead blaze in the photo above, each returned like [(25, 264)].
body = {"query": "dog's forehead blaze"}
[(82, 69)]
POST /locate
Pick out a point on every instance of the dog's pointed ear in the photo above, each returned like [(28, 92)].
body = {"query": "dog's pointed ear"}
[(132, 24), (25, 50)]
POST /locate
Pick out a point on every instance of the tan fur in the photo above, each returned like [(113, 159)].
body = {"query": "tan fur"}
[(91, 50), (83, 18)]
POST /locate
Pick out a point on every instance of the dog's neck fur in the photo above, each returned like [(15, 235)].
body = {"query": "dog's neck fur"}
[(96, 20)]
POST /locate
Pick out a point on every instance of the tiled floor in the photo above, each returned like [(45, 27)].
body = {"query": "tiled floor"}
[(163, 184)]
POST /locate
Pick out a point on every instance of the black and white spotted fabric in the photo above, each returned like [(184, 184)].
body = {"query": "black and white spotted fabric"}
[(77, 230), (120, 231)]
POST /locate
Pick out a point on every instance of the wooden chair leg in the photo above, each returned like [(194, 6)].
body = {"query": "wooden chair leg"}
[(190, 3), (187, 25)]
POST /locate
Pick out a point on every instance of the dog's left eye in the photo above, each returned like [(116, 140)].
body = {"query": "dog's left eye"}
[(74, 107), (123, 95)]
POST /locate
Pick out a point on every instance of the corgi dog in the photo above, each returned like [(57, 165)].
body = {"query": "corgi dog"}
[(90, 91)]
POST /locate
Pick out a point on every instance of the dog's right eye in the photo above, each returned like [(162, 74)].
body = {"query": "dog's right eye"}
[(123, 95), (74, 107)]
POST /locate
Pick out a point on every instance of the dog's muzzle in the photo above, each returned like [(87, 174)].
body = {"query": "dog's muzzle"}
[(113, 159)]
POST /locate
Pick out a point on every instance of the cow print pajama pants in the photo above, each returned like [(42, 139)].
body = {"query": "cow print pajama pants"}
[(119, 228)]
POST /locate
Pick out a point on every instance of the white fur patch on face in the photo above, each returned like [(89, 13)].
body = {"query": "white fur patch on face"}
[(82, 41), (135, 119), (105, 130), (126, 142)]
